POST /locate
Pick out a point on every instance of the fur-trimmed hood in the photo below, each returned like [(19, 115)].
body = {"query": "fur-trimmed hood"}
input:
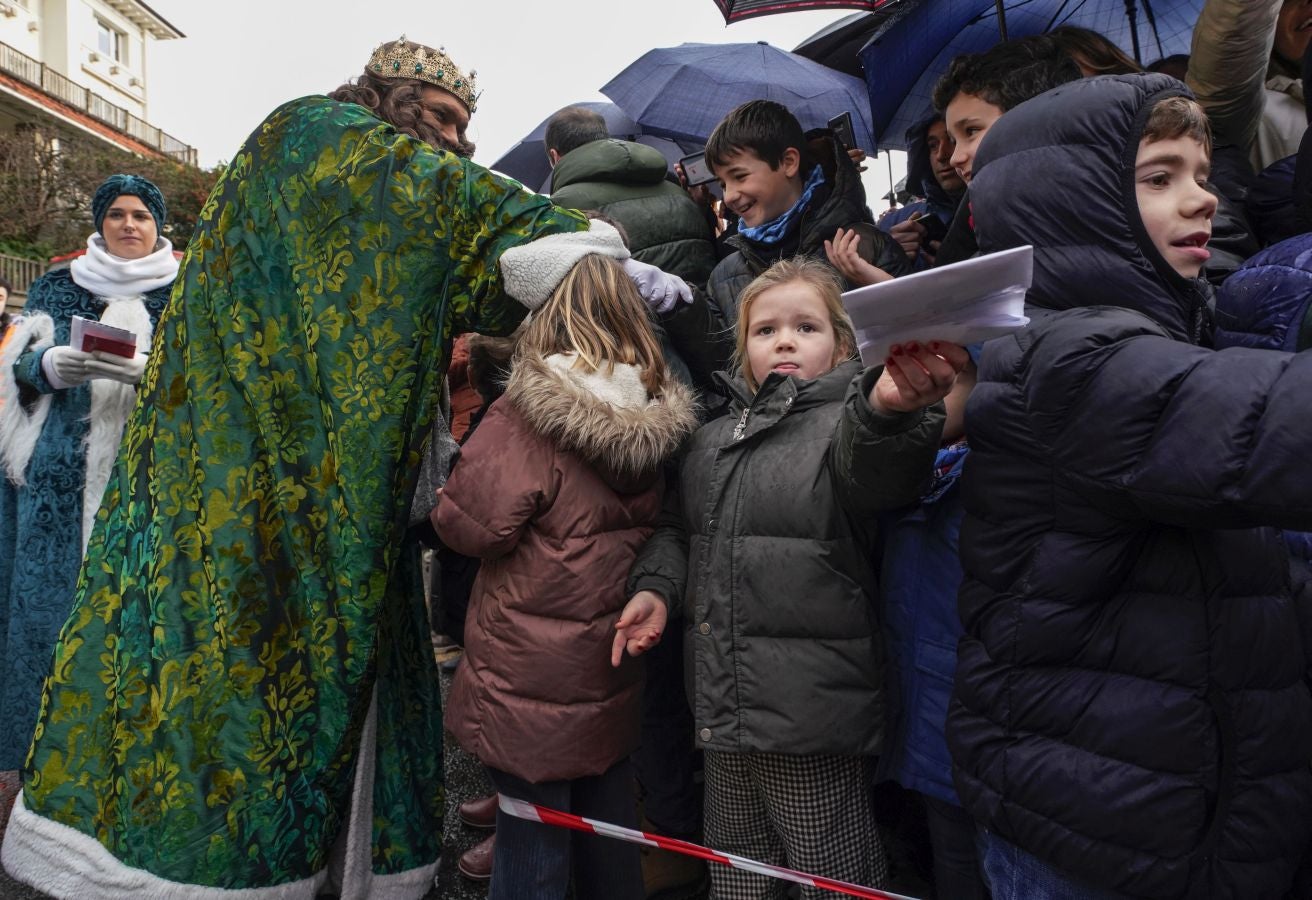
[(606, 418)]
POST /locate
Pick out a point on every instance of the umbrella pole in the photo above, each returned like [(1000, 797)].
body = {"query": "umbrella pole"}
[(1132, 12), (892, 188), (1002, 19), (1152, 23)]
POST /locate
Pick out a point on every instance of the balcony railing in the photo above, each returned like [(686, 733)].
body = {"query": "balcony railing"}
[(42, 77), (21, 272)]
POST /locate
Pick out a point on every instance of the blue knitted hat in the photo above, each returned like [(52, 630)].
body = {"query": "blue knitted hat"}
[(116, 186)]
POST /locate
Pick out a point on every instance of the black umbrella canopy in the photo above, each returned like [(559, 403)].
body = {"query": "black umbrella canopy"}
[(737, 10), (838, 44)]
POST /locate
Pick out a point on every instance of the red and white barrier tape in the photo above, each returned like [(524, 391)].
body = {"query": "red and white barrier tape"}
[(547, 816)]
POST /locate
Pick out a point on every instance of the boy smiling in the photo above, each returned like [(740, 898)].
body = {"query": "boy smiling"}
[(1130, 715), (792, 192)]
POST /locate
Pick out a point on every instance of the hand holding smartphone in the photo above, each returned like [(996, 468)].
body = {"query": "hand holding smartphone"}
[(695, 169), (841, 126), (935, 228)]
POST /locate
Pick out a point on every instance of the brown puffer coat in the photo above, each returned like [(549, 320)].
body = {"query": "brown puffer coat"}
[(556, 490)]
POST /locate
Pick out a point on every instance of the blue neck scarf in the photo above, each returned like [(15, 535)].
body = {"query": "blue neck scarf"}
[(773, 232)]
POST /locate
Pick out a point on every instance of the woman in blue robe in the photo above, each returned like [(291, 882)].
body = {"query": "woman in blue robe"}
[(62, 413)]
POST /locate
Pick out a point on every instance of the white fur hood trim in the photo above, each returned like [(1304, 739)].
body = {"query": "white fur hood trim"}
[(622, 387), (605, 417)]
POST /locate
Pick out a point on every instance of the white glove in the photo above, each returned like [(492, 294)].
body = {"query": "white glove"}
[(661, 291), (124, 369), (65, 367)]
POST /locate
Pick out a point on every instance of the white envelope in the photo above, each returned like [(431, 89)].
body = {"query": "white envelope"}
[(963, 303)]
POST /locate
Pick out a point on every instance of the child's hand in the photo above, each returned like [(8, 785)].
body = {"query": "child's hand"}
[(640, 626), (916, 375), (844, 256)]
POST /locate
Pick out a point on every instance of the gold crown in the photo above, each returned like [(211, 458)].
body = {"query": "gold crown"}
[(405, 59)]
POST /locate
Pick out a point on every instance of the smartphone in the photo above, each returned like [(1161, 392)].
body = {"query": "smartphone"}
[(841, 126), (934, 227), (696, 170)]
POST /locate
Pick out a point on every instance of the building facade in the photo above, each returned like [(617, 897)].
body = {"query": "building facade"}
[(82, 66)]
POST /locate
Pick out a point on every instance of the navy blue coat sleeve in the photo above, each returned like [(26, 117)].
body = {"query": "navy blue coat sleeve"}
[(1147, 427)]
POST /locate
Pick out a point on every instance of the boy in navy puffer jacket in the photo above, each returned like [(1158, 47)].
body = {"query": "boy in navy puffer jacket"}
[(1131, 716)]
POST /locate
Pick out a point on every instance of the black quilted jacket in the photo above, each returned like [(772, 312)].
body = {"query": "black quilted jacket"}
[(1131, 701)]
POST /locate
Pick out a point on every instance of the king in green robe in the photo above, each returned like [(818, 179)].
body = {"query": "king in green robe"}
[(246, 678)]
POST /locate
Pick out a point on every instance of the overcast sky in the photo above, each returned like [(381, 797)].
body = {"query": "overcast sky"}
[(241, 58)]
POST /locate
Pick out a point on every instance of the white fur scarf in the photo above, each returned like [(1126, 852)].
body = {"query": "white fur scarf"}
[(111, 404), (106, 275), (20, 428)]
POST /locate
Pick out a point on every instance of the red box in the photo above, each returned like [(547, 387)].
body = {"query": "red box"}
[(93, 342)]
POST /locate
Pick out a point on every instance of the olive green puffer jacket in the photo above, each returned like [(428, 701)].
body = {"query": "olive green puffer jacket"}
[(766, 546), (626, 181)]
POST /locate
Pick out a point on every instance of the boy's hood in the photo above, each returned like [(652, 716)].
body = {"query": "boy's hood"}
[(613, 160), (1058, 172), (920, 174)]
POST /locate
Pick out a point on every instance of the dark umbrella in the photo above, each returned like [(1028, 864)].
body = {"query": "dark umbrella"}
[(838, 43), (683, 92), (737, 10), (904, 60), (527, 163)]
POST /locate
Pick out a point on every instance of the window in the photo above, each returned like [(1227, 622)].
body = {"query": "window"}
[(110, 41)]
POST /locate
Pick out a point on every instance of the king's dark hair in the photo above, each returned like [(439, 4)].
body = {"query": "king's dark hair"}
[(399, 103)]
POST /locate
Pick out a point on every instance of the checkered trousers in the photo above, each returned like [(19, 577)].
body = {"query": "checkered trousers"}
[(811, 813)]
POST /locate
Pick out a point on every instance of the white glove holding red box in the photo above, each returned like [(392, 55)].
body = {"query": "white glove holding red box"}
[(125, 369), (65, 367)]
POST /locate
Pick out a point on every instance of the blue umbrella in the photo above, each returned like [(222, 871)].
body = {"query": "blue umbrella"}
[(526, 162), (683, 92), (905, 58)]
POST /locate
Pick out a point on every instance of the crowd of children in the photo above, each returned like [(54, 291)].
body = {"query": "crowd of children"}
[(1038, 583)]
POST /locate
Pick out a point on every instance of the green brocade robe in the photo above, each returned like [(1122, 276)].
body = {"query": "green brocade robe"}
[(246, 595)]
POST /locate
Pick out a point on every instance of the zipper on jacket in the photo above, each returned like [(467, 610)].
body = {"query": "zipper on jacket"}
[(741, 427)]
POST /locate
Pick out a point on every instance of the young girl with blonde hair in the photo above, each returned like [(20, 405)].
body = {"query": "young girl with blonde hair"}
[(555, 491), (770, 560)]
